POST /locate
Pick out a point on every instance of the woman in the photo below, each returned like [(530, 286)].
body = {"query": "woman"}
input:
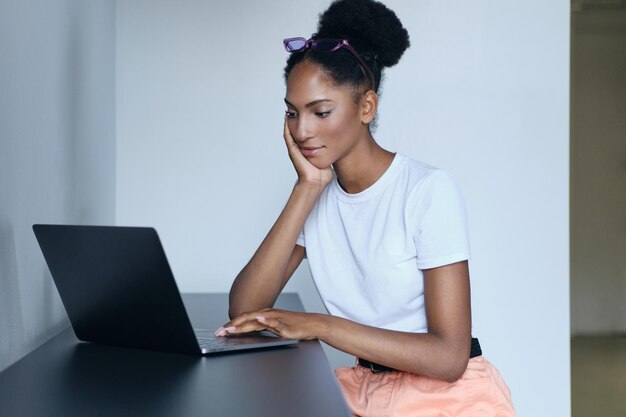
[(385, 237)]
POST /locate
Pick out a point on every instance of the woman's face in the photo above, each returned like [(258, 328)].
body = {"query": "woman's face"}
[(323, 118)]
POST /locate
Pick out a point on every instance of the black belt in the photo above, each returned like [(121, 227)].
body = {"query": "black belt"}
[(474, 351)]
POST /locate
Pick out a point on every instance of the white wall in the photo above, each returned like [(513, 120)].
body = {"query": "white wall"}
[(483, 92), (598, 170), (56, 149)]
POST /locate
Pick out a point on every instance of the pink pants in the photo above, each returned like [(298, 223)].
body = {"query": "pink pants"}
[(480, 392)]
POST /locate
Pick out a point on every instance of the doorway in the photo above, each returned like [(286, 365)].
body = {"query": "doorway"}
[(598, 208)]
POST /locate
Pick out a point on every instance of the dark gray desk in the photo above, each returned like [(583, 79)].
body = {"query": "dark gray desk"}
[(65, 377)]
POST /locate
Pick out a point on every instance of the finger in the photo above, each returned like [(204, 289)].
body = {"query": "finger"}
[(223, 331), (287, 133), (274, 325), (242, 318), (244, 323), (249, 326), (289, 139), (292, 146), (228, 328)]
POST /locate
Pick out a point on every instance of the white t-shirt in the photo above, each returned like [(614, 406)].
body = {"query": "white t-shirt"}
[(367, 250)]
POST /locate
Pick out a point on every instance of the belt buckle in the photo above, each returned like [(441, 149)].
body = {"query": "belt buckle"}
[(374, 370)]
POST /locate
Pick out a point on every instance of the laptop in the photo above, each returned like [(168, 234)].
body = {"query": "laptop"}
[(118, 289)]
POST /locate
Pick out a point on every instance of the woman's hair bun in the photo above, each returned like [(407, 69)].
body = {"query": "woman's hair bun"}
[(369, 26)]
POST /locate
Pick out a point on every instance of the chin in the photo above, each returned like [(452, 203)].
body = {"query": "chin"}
[(320, 163)]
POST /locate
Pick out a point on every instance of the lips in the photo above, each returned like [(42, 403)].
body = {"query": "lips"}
[(310, 151)]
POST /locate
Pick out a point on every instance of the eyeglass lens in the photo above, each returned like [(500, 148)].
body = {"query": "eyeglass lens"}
[(325, 45), (295, 45)]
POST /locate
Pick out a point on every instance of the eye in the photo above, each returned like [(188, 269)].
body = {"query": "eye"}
[(322, 114), (290, 114)]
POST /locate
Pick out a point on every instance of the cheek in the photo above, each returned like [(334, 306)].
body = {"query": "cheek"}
[(341, 128)]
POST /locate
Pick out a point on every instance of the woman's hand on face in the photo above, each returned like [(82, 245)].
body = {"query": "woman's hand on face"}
[(307, 172), (288, 324)]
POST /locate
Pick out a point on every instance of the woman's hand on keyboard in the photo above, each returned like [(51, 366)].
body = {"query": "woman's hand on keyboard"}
[(288, 324)]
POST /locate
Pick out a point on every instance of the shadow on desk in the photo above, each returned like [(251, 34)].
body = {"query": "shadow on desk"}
[(65, 377), (140, 382)]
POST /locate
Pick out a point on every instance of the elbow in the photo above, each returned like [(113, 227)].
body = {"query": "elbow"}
[(456, 369), (452, 376), (452, 358), (237, 306), (233, 311), (234, 308)]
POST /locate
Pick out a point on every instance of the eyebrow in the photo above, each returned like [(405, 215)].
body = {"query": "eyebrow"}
[(311, 104)]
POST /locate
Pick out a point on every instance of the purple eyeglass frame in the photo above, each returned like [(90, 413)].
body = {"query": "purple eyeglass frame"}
[(312, 44)]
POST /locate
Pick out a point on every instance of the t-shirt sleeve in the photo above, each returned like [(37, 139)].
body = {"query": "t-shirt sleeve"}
[(440, 221), (300, 240)]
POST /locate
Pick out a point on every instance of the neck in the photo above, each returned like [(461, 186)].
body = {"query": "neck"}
[(363, 166)]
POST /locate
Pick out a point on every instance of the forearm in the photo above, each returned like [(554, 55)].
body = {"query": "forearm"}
[(435, 355), (262, 279), (439, 355)]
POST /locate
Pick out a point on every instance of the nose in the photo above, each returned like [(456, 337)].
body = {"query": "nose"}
[(301, 129)]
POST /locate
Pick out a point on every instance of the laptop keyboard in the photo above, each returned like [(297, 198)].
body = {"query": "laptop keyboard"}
[(214, 342)]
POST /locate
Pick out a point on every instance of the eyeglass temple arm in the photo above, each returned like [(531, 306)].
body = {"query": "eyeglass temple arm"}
[(363, 64)]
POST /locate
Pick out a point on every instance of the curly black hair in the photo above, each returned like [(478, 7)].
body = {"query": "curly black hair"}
[(371, 28)]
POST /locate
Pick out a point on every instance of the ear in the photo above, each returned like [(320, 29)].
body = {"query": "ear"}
[(369, 106)]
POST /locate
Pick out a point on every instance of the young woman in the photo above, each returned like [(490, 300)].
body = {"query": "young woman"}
[(385, 237)]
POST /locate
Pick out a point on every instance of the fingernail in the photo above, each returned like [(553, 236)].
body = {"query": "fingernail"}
[(261, 319), (230, 329), (219, 332)]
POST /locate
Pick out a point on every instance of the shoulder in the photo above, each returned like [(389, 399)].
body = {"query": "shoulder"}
[(425, 182), (422, 175)]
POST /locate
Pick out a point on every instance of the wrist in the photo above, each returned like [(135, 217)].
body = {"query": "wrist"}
[(323, 326), (312, 187)]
